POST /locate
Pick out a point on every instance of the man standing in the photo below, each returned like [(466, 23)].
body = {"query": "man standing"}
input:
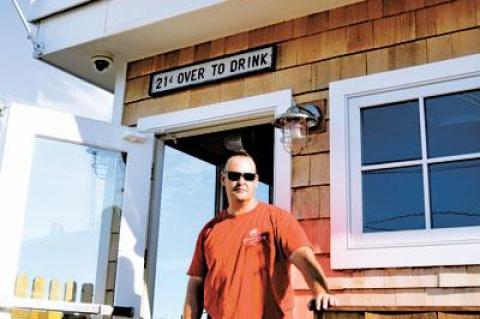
[(240, 268)]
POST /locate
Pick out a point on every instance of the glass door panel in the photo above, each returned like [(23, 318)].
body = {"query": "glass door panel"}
[(188, 203), (73, 207), (74, 192)]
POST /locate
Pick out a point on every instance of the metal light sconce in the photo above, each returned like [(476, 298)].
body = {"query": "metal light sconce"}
[(296, 124)]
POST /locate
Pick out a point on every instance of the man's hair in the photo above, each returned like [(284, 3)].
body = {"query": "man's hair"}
[(233, 153)]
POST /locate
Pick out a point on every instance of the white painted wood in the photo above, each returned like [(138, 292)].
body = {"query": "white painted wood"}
[(258, 109), (52, 305), (119, 91), (350, 247), (43, 8), (3, 127), (154, 226), (425, 173), (25, 124)]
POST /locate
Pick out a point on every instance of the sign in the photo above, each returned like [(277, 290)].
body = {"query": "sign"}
[(213, 70)]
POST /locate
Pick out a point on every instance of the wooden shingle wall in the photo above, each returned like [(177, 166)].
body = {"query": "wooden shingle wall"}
[(363, 38), (355, 40)]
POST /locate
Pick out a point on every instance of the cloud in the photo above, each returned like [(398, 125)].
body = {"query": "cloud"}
[(80, 99)]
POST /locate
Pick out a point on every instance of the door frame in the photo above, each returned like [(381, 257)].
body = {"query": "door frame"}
[(25, 123), (254, 110)]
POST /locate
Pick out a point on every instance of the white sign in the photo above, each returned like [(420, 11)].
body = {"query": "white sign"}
[(214, 70)]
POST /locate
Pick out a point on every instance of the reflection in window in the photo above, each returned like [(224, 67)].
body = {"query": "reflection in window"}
[(72, 192), (455, 194), (390, 133), (187, 204), (263, 192), (452, 123), (393, 199)]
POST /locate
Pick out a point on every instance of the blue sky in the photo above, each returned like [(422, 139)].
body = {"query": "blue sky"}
[(23, 79)]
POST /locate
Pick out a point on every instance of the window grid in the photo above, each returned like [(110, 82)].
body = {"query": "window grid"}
[(425, 174), (424, 161)]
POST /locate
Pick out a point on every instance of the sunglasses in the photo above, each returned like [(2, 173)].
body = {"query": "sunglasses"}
[(235, 176)]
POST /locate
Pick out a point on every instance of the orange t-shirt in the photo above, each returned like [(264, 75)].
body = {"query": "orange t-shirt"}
[(244, 261)]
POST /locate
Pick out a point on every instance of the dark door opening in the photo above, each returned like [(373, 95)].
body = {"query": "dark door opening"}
[(192, 195), (212, 148)]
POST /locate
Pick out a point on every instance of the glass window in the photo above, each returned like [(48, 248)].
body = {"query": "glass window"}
[(390, 133), (452, 122), (393, 199), (405, 166), (455, 194), (66, 237), (188, 203)]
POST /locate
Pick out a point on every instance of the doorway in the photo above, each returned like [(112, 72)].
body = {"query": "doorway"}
[(191, 195)]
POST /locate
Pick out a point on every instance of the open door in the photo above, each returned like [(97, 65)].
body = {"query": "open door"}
[(74, 201)]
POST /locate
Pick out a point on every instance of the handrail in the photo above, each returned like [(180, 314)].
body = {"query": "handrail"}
[(397, 309), (7, 305)]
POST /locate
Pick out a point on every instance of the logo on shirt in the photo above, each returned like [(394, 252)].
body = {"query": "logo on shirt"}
[(254, 237)]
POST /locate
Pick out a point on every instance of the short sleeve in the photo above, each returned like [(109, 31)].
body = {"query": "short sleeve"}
[(198, 266), (290, 235)]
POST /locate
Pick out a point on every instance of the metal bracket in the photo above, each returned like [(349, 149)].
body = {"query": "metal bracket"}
[(38, 48), (134, 137), (3, 107)]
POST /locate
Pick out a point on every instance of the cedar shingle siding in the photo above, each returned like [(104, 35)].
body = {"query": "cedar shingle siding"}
[(359, 39)]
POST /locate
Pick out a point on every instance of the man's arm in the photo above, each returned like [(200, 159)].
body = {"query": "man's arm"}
[(193, 307), (304, 259)]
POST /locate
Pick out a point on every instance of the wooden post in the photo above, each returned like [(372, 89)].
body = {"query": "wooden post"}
[(87, 293), (70, 295), (38, 292), (70, 291), (21, 291), (54, 294)]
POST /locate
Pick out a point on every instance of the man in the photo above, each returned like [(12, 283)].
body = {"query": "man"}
[(240, 268)]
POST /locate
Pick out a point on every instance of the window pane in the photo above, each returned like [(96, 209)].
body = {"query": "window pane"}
[(263, 192), (453, 123), (455, 194), (393, 199), (390, 133), (187, 204), (73, 190)]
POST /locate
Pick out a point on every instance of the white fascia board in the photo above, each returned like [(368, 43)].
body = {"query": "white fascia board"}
[(99, 19), (41, 9)]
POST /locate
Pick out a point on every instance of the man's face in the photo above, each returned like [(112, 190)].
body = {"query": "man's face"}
[(240, 190)]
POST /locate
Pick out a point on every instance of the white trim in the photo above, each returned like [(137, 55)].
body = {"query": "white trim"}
[(28, 122), (350, 247), (4, 107), (232, 114), (119, 93), (52, 305), (153, 230)]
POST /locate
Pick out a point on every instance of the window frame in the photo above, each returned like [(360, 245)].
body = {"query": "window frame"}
[(350, 247)]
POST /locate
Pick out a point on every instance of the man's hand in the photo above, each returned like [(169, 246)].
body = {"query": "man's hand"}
[(323, 301), (304, 259)]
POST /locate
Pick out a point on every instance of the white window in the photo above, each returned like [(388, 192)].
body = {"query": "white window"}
[(405, 167)]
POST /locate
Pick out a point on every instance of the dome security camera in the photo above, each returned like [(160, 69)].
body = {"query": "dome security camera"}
[(102, 62)]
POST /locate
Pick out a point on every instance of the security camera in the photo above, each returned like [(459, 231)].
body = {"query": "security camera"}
[(102, 62)]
